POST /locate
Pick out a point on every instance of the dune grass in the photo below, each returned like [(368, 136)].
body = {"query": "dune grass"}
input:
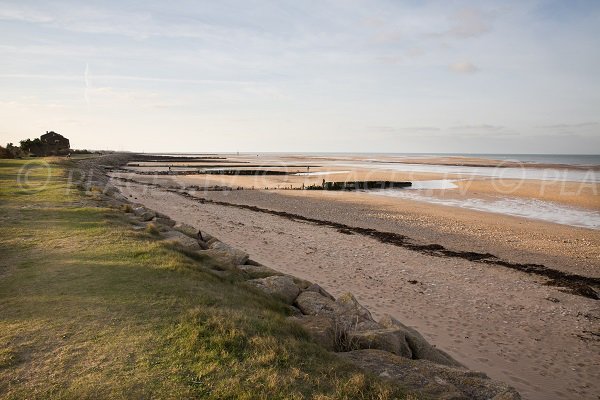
[(91, 308)]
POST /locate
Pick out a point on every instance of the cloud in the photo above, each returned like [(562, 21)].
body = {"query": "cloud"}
[(395, 129), (9, 12), (392, 36), (469, 22), (464, 67), (391, 60), (128, 78), (571, 126), (478, 130), (480, 127), (581, 129)]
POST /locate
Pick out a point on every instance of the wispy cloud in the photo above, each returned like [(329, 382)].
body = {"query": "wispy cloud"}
[(480, 127), (464, 67), (571, 126), (126, 78), (468, 23), (403, 129), (23, 13)]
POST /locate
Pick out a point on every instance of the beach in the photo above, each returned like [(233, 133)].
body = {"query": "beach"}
[(497, 317)]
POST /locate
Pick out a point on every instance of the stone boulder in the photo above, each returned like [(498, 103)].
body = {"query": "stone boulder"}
[(428, 379), (318, 289), (349, 306), (181, 240), (420, 348), (116, 194), (187, 230), (346, 312), (165, 221), (257, 271), (281, 286), (321, 329), (387, 339), (237, 257), (313, 303), (143, 213)]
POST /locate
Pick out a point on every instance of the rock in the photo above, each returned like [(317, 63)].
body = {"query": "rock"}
[(147, 216), (114, 203), (237, 257), (428, 379), (118, 196), (318, 289), (208, 237), (110, 190), (301, 283), (187, 230), (387, 339), (257, 271), (143, 213), (319, 328), (165, 221), (351, 307), (138, 209), (313, 303), (280, 285), (346, 312), (420, 348), (182, 240)]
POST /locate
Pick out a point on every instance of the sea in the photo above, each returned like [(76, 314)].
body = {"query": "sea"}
[(592, 160)]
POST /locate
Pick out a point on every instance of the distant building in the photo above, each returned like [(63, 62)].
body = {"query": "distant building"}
[(55, 144), (49, 144)]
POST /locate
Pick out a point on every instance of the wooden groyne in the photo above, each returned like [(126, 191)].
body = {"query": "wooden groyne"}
[(365, 185), (235, 172), (243, 172)]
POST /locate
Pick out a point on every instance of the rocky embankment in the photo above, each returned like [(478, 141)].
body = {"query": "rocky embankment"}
[(386, 348)]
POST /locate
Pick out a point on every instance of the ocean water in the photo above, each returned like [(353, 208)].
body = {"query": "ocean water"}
[(514, 206), (544, 174), (320, 173), (567, 159), (592, 160)]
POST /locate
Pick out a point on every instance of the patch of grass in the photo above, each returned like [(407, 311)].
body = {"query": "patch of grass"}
[(91, 308)]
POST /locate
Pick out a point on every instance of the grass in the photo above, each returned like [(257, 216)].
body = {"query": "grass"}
[(91, 308)]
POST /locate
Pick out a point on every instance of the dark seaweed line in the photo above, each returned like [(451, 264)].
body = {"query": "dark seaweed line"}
[(577, 284)]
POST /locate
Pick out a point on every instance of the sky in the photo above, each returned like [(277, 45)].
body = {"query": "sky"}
[(298, 76)]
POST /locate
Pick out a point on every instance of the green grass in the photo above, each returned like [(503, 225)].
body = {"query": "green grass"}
[(91, 308)]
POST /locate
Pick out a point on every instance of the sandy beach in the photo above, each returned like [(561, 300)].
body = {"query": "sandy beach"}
[(508, 323)]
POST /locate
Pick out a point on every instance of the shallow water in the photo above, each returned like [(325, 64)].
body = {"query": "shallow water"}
[(526, 208), (432, 185), (544, 174), (318, 173)]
